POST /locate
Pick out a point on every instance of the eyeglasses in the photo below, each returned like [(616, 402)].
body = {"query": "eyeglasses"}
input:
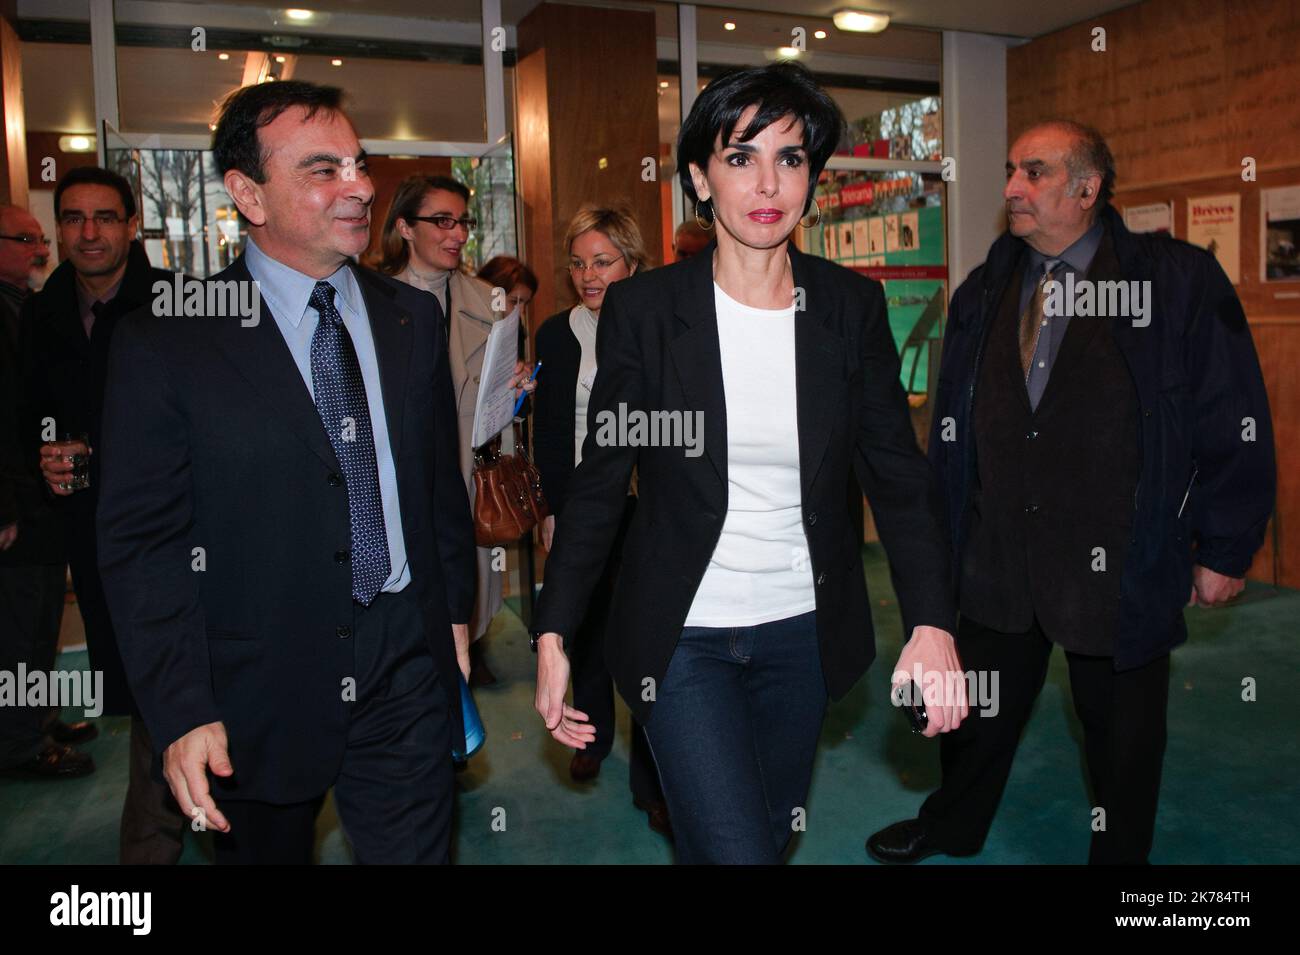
[(447, 223), (599, 265), (75, 220), (27, 239)]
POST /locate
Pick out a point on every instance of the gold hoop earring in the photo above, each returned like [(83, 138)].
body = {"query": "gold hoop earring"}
[(809, 225), (706, 226)]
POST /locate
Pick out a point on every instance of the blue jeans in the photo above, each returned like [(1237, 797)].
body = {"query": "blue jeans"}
[(734, 730)]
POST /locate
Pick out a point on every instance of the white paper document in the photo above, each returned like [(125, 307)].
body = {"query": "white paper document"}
[(495, 408)]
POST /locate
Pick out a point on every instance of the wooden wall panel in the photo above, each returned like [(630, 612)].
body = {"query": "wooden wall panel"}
[(1185, 90), (13, 151), (1278, 343), (588, 118)]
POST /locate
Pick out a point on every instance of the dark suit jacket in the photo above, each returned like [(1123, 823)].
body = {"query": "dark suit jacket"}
[(64, 373), (657, 350), (212, 441), (23, 498), (553, 407)]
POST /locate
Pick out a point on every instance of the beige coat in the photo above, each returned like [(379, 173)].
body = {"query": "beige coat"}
[(471, 319)]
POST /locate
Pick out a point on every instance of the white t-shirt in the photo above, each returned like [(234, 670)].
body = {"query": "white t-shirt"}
[(760, 571), (583, 324)]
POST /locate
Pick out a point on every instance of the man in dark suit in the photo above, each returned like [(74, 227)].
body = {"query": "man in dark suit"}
[(65, 335), (286, 540), (1098, 466), (33, 558)]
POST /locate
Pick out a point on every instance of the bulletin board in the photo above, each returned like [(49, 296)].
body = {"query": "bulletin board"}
[(1263, 301)]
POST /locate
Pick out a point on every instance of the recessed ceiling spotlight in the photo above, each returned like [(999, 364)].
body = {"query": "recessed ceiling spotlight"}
[(860, 21)]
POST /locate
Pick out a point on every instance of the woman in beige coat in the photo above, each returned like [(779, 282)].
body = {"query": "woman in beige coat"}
[(426, 227)]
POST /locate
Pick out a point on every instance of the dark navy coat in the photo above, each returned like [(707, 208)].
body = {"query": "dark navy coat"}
[(1206, 433)]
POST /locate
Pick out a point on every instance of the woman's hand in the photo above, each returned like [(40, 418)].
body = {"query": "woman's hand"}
[(521, 381), (942, 682), (548, 532), (567, 725)]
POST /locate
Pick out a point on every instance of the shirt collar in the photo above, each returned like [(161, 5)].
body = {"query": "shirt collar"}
[(289, 291), (1078, 256), (85, 301)]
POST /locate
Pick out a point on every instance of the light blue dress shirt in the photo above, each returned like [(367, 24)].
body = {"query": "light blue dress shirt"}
[(286, 292), (1076, 259)]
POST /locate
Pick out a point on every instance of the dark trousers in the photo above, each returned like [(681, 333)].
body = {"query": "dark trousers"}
[(31, 609), (394, 789), (734, 731), (593, 688), (153, 826), (1123, 717)]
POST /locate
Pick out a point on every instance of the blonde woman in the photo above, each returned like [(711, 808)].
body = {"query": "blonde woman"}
[(603, 245)]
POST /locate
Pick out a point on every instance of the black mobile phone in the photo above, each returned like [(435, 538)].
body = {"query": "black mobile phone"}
[(907, 697)]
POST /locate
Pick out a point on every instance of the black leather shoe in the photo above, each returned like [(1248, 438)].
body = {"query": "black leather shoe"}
[(657, 817), (72, 734), (56, 761), (903, 843), (583, 768)]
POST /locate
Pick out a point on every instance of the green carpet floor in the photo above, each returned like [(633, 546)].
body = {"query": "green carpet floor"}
[(1230, 790)]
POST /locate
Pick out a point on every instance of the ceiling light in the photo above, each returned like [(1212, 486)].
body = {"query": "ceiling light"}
[(299, 15), (787, 52), (820, 34), (728, 25), (279, 59), (223, 56), (77, 144), (860, 21), (336, 62)]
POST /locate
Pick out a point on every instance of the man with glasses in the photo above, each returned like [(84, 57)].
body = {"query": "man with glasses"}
[(65, 330), (33, 740)]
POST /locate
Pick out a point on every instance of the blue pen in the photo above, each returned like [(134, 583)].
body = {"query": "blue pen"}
[(520, 403)]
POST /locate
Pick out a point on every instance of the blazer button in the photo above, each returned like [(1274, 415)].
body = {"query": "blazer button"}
[(812, 518), (821, 578), (343, 632), (342, 556), (334, 479)]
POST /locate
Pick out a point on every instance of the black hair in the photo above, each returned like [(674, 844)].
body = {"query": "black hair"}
[(446, 184), (248, 109), (95, 176), (778, 90)]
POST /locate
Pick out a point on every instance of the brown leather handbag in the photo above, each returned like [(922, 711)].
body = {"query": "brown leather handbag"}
[(508, 499)]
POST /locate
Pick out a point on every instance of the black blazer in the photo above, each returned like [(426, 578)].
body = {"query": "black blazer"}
[(553, 407), (63, 378), (24, 499), (657, 350), (212, 441)]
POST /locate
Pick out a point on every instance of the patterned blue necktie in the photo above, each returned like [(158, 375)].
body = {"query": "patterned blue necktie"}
[(341, 401)]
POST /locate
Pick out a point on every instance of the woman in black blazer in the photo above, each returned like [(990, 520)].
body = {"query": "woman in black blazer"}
[(743, 384), (603, 246)]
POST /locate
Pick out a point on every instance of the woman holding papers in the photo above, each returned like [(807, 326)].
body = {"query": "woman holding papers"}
[(425, 230)]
